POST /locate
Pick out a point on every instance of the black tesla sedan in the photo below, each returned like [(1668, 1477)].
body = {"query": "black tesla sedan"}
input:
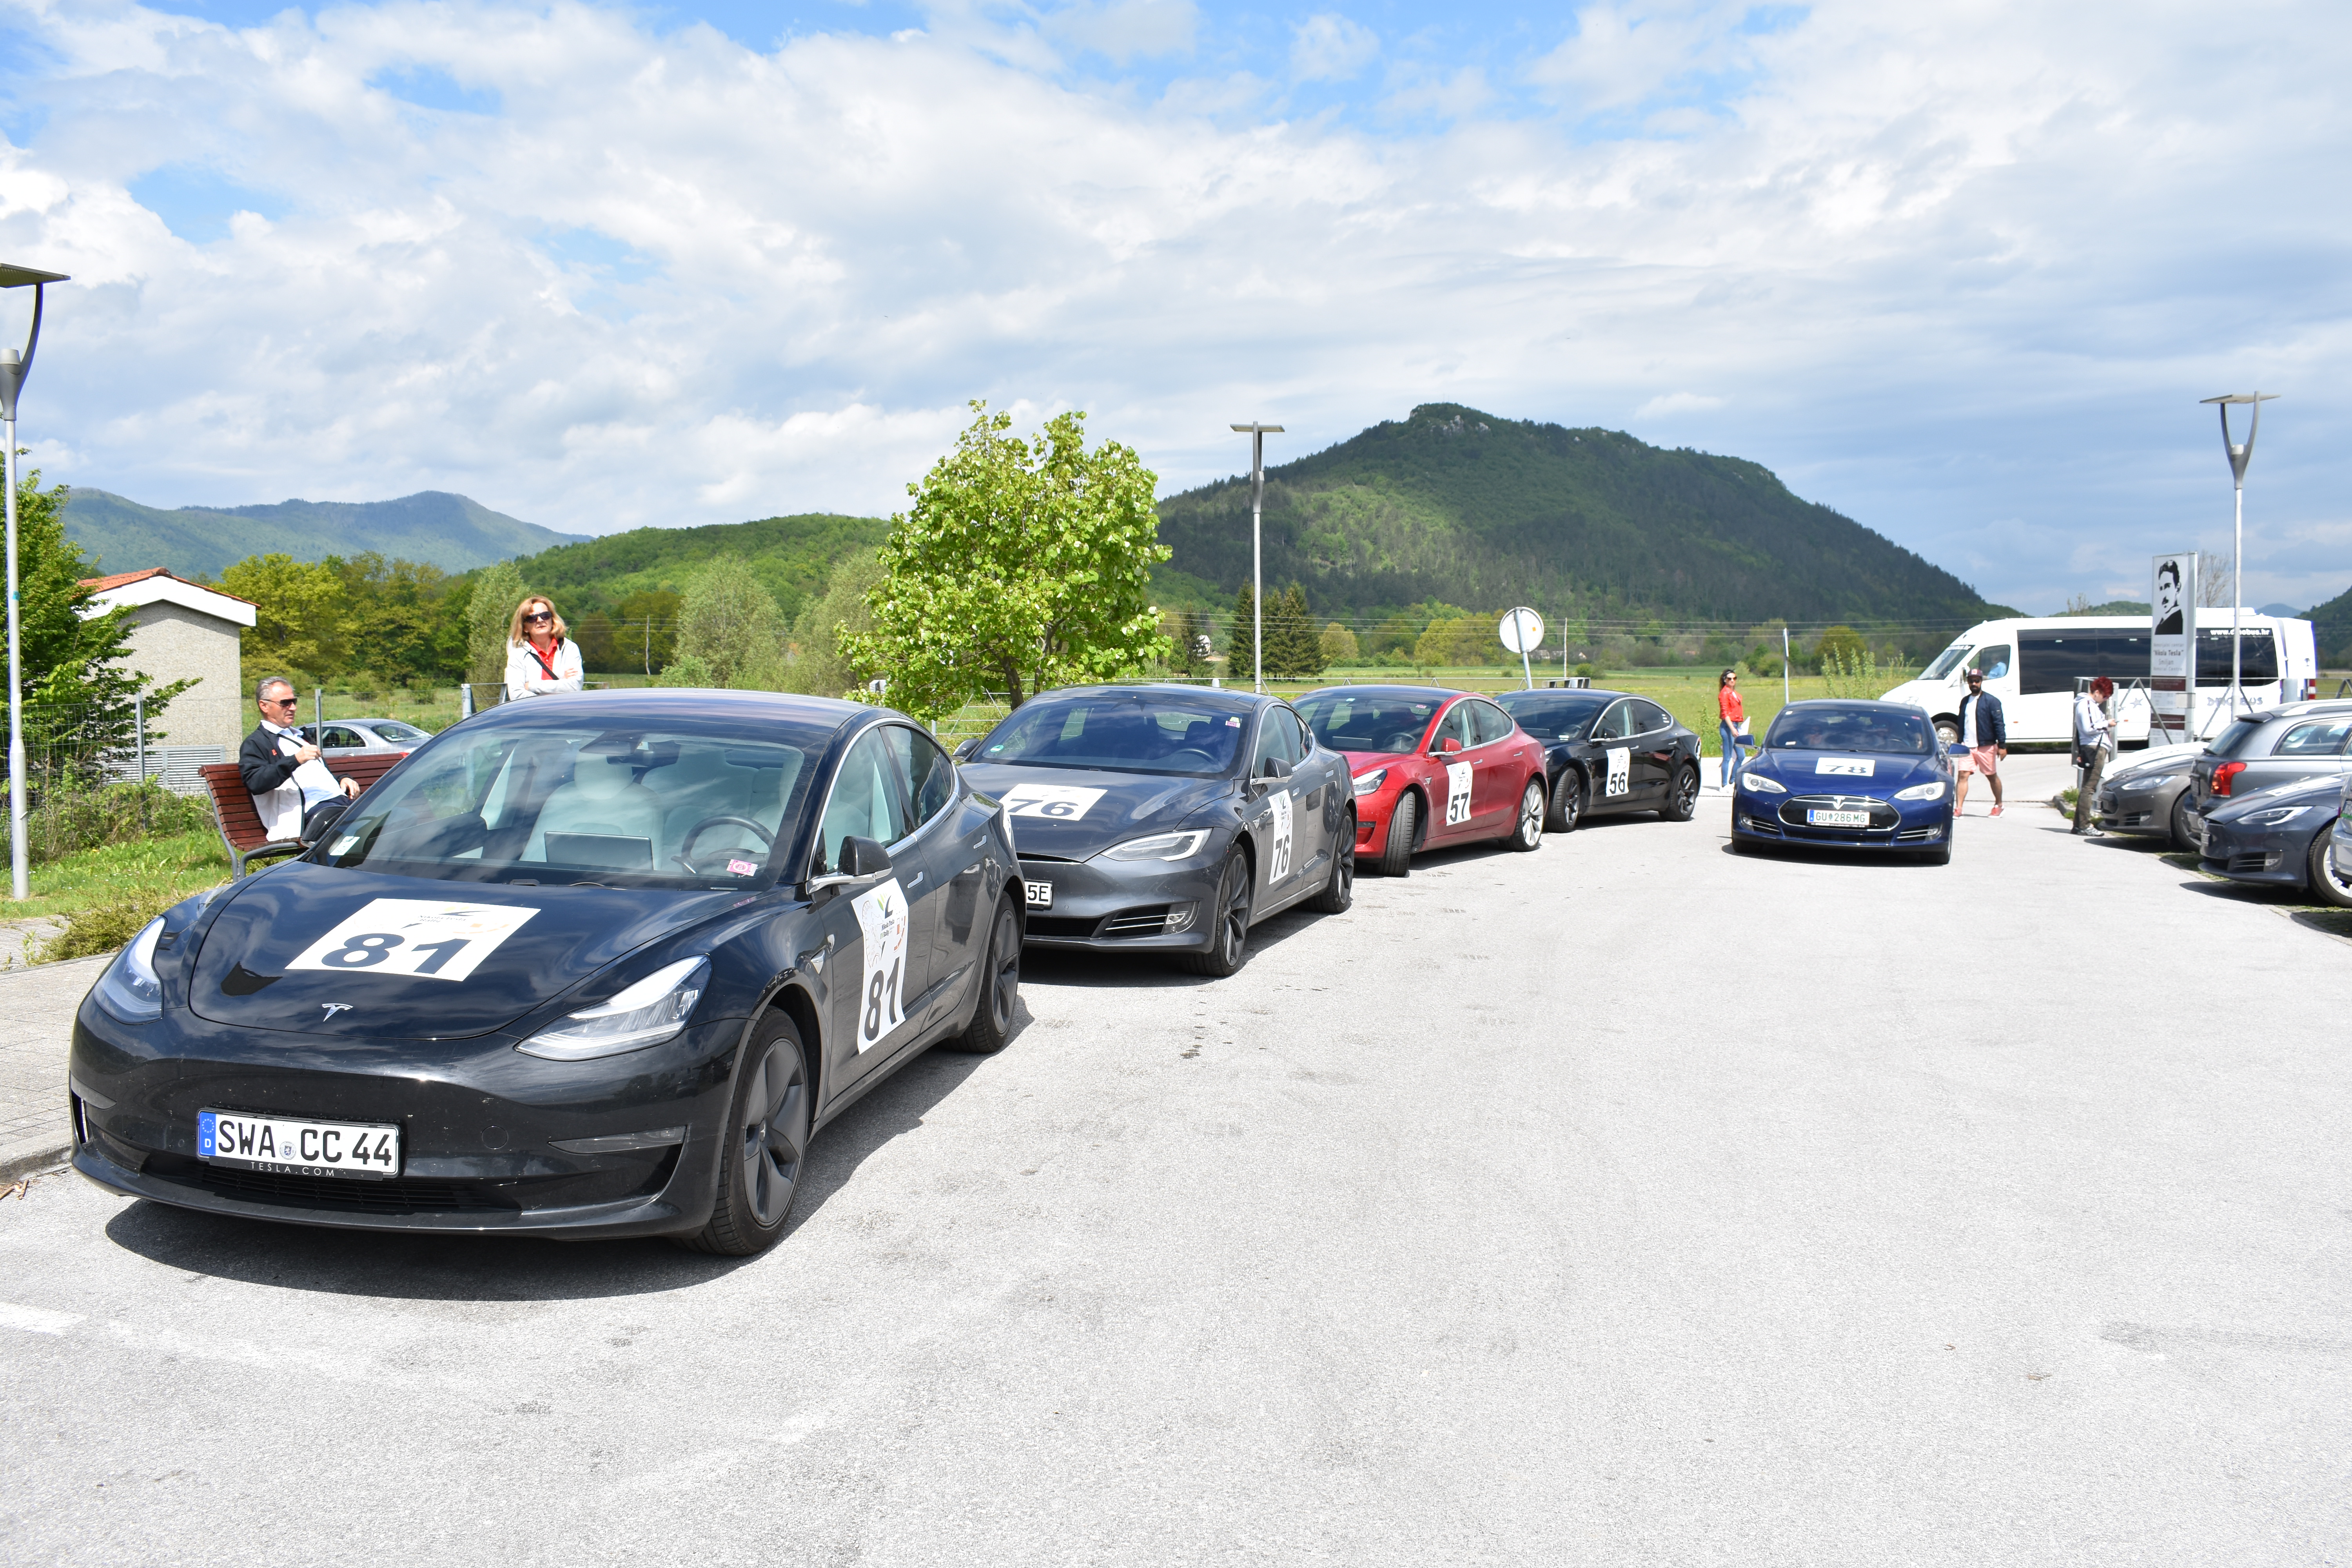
[(584, 965), (1605, 752), (1167, 817)]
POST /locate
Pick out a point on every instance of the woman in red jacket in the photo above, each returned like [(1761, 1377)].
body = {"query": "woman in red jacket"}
[(1733, 724)]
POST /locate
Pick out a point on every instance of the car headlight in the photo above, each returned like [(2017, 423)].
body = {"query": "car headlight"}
[(1367, 783), (1763, 784), (129, 989), (2151, 782), (1932, 790), (651, 1011), (1160, 846), (2276, 816)]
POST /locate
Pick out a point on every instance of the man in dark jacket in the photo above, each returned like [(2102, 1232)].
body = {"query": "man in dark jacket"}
[(273, 756), (1984, 737)]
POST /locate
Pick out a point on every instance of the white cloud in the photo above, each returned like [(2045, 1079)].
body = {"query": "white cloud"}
[(1327, 47), (1936, 266), (1670, 403)]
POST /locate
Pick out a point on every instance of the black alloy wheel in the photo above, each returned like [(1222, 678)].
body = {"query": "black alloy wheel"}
[(760, 1164), (1527, 833), (2184, 824), (1396, 852), (1682, 805), (999, 988), (1567, 802), (2327, 886), (1229, 937), (1340, 892)]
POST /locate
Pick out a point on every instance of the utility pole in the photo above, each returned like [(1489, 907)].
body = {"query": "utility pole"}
[(1258, 435), (14, 368), (2240, 454)]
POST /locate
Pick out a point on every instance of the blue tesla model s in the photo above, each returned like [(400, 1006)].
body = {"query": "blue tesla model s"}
[(1847, 774)]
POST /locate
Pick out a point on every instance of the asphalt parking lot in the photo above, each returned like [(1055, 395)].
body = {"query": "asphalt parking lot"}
[(1624, 1203)]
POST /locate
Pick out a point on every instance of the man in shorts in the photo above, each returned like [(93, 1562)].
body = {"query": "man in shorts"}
[(1984, 739)]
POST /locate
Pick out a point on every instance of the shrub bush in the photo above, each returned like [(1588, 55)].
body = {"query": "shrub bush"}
[(71, 816)]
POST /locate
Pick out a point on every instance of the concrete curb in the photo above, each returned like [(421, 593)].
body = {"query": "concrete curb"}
[(35, 1157)]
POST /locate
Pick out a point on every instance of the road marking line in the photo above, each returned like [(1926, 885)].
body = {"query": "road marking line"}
[(36, 1320)]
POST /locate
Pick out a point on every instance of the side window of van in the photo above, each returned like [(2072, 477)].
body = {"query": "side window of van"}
[(1994, 662)]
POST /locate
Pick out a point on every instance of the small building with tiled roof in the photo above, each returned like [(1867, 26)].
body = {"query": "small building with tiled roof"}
[(183, 629)]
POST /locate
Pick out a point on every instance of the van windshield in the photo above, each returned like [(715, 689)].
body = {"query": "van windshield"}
[(1946, 662)]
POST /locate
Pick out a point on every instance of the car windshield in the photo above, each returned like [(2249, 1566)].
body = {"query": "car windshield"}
[(1548, 716), (673, 804), (1138, 731), (1825, 728), (1368, 721), (393, 730), (1946, 662)]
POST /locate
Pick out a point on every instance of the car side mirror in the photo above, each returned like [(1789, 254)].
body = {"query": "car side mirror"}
[(860, 860), (963, 753), (1275, 768), (1444, 745)]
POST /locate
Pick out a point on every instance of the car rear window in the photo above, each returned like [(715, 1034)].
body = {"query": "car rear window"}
[(2237, 738)]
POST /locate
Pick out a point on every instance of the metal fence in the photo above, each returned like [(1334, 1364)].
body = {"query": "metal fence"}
[(86, 744)]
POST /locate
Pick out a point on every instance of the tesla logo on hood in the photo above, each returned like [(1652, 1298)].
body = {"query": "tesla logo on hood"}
[(332, 1008)]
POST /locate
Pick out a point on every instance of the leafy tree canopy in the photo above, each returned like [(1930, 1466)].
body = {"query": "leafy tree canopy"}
[(1022, 565)]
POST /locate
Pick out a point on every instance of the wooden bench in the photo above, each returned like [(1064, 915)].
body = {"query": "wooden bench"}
[(240, 824)]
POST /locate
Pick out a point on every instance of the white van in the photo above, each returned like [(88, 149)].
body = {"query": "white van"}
[(2032, 665)]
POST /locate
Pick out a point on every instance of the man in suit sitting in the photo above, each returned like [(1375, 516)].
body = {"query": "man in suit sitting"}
[(277, 767)]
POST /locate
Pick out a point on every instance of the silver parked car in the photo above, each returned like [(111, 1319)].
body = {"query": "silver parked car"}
[(2272, 747), (2339, 852), (2147, 793), (364, 735)]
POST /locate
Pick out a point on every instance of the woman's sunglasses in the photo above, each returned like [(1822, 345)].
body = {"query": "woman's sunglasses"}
[(541, 616)]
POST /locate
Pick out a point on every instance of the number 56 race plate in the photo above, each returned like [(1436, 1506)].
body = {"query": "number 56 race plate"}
[(304, 1148), (427, 939)]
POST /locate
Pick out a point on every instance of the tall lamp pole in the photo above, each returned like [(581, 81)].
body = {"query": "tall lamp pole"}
[(14, 368), (2240, 454), (1258, 435)]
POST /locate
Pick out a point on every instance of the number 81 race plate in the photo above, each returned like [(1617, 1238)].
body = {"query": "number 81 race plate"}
[(299, 1148), (421, 939)]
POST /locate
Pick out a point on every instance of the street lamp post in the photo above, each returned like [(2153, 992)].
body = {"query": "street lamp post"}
[(1258, 435), (14, 368), (2240, 454)]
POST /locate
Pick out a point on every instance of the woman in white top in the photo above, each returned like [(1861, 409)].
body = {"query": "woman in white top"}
[(540, 659)]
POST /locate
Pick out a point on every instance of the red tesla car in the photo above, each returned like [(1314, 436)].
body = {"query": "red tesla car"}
[(1432, 767)]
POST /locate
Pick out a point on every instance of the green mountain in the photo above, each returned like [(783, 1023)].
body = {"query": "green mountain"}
[(2331, 627), (790, 555), (448, 530), (1458, 506)]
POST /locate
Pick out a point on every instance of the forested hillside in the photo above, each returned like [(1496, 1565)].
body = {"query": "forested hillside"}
[(1458, 506), (453, 532), (2331, 624), (790, 556)]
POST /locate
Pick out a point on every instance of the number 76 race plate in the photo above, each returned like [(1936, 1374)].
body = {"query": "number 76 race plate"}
[(424, 939)]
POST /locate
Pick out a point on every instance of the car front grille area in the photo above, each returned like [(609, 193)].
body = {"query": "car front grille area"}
[(1918, 836), (1883, 816), (2256, 861), (1144, 920), (405, 1195)]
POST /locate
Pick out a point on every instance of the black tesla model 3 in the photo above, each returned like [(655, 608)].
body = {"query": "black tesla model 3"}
[(583, 966)]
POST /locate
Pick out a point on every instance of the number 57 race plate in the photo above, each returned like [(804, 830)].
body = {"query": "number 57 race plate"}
[(303, 1148), (425, 939)]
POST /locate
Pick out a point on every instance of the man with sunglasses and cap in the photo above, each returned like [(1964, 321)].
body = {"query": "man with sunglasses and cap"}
[(1984, 742), (282, 771)]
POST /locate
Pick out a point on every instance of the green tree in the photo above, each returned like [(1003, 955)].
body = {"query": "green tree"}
[(498, 589), (1241, 656), (646, 635), (300, 615), (1838, 646), (818, 667), (1022, 565), (78, 698), (1294, 649), (1196, 639), (730, 624), (1338, 644), (398, 632)]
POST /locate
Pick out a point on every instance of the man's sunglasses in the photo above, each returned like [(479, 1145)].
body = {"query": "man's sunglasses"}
[(281, 702)]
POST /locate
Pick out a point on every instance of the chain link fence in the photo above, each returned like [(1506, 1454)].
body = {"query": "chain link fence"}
[(100, 773)]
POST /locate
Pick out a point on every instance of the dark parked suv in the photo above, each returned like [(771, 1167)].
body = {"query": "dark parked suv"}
[(2276, 746)]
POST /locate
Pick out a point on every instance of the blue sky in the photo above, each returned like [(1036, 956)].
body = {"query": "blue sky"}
[(1960, 272)]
